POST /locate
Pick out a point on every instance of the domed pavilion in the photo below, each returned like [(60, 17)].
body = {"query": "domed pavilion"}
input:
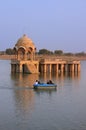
[(25, 49), (24, 56)]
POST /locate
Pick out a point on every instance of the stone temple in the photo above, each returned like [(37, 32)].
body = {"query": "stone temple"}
[(25, 61)]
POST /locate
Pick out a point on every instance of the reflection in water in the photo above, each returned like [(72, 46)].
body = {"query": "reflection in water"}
[(23, 92), (23, 108), (23, 80), (38, 91), (55, 76), (24, 98), (61, 78)]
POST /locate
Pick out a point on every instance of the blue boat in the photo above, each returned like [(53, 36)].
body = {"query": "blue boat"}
[(44, 86)]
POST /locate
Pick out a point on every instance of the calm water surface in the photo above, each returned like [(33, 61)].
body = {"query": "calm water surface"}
[(23, 108)]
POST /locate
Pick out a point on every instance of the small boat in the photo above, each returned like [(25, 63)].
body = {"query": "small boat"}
[(44, 86)]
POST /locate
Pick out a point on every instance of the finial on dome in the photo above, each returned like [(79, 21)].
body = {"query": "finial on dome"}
[(24, 35)]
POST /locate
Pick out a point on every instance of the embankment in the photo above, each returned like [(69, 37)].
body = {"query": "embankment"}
[(9, 57)]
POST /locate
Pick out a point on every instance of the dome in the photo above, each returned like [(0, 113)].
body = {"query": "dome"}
[(24, 42)]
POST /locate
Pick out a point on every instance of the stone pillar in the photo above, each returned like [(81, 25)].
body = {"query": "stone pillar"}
[(72, 67), (66, 67), (56, 68), (44, 68), (62, 67), (78, 68), (50, 68), (75, 67), (20, 68), (37, 68)]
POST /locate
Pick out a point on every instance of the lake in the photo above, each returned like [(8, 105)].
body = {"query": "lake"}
[(23, 108)]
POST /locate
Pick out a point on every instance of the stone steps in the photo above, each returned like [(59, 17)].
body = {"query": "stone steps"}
[(31, 68)]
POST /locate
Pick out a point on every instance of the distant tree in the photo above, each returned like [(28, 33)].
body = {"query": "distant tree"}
[(81, 54), (69, 54), (2, 52), (9, 51), (58, 52), (45, 51)]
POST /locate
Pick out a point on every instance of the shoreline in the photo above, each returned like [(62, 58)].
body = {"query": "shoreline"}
[(80, 58), (7, 57)]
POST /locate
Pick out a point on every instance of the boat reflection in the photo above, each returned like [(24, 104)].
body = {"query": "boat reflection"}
[(49, 91)]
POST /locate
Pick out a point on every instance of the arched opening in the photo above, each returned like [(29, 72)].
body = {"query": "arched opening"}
[(21, 53), (30, 53)]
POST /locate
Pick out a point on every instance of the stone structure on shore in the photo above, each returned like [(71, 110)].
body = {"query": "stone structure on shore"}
[(25, 61)]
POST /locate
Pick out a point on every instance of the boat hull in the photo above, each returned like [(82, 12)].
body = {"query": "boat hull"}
[(44, 86)]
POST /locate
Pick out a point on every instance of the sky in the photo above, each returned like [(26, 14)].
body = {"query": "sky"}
[(51, 24)]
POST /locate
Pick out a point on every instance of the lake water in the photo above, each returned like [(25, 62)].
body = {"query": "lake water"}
[(23, 108)]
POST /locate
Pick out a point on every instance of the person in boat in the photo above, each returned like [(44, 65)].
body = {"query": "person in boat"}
[(50, 82), (37, 82)]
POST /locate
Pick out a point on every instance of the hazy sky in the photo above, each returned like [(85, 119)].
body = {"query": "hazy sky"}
[(51, 24)]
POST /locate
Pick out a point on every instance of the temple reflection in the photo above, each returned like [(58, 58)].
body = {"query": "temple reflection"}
[(24, 94), (24, 100), (24, 80), (57, 76)]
